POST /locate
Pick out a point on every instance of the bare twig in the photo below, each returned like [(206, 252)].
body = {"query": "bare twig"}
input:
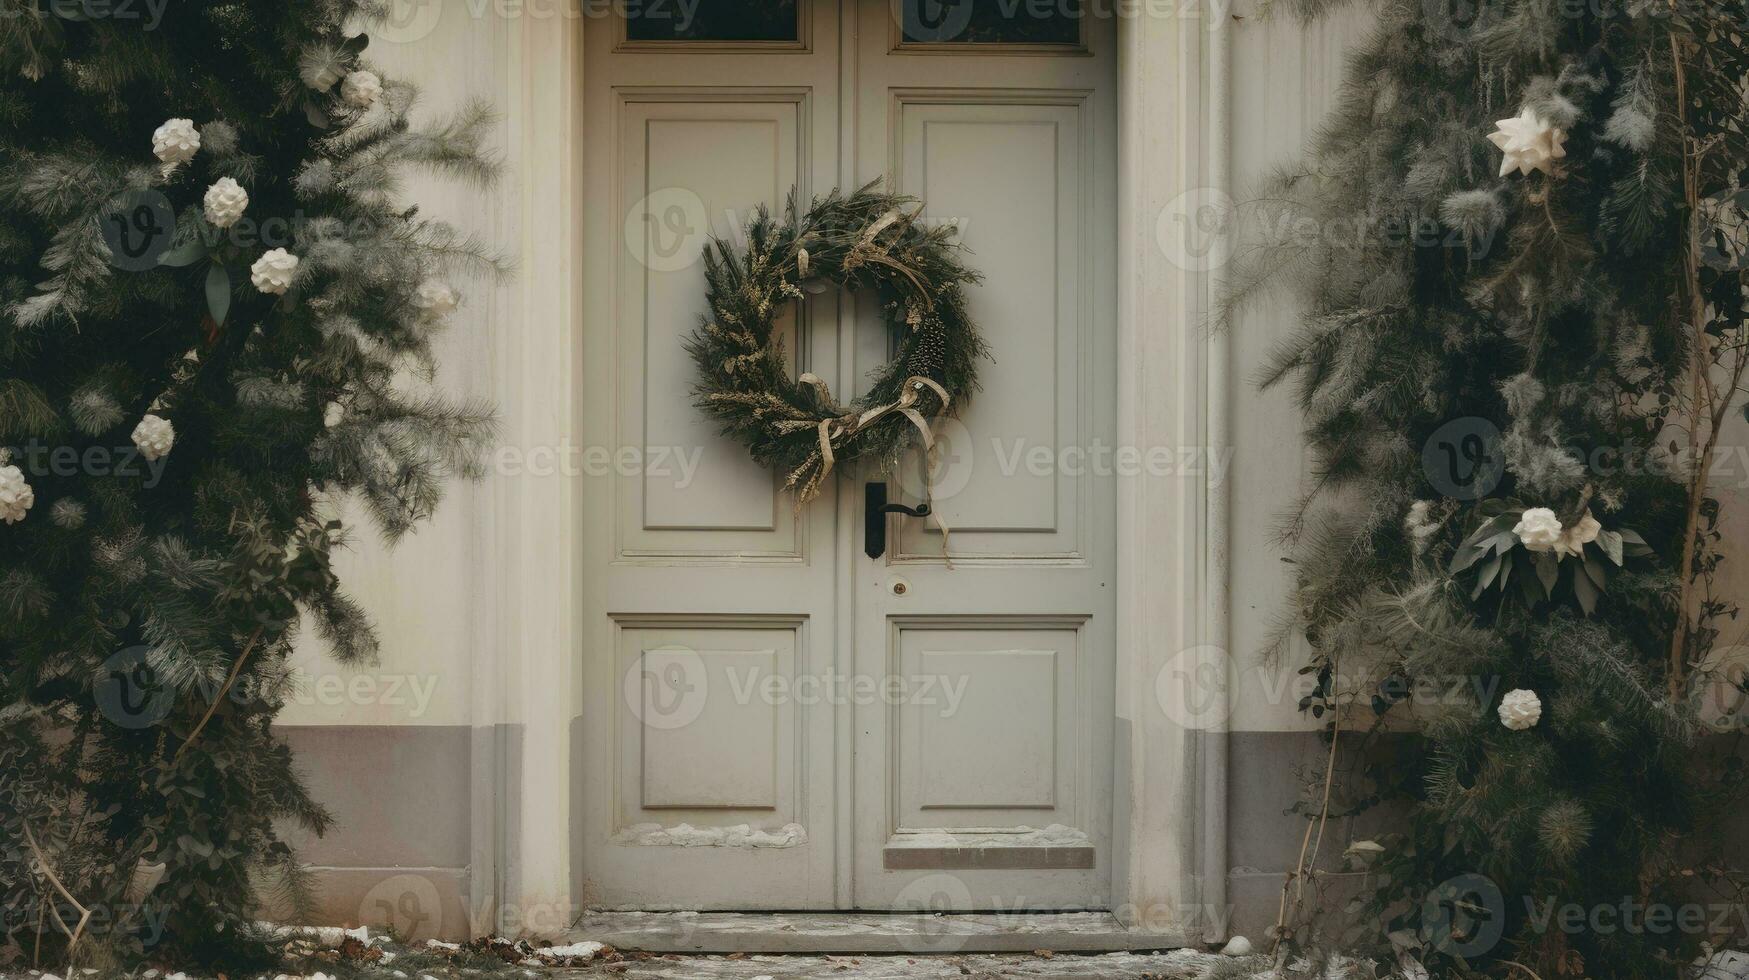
[(1705, 403), (236, 669), (48, 871), (1302, 867)]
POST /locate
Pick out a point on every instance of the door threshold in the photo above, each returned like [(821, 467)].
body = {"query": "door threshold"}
[(866, 932)]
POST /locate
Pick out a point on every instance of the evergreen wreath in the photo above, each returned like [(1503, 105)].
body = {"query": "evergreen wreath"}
[(868, 241)]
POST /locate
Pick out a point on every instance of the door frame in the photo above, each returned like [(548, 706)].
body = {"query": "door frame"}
[(1169, 870)]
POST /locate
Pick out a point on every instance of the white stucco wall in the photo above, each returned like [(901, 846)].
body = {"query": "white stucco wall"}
[(1285, 75), (429, 595), (425, 592)]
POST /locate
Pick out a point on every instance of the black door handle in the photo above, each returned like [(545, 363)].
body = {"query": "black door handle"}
[(874, 518)]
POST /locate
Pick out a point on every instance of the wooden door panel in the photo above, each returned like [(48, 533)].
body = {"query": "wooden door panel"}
[(693, 165), (702, 785), (1004, 801), (1012, 171)]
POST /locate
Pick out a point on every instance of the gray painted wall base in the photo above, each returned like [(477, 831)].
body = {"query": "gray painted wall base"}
[(400, 852), (863, 932)]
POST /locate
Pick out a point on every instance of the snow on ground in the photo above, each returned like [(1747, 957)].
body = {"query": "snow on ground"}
[(1178, 965), (499, 960)]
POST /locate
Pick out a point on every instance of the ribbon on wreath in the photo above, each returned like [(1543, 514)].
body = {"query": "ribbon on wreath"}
[(849, 424)]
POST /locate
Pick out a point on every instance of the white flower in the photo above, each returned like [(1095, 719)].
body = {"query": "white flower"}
[(436, 298), (1420, 523), (225, 201), (1538, 528), (154, 436), (333, 414), (322, 77), (361, 89), (16, 496), (1574, 539), (1530, 143), (1520, 709), (176, 141), (272, 272)]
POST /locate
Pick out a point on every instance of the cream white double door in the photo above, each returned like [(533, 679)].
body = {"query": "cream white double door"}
[(772, 719)]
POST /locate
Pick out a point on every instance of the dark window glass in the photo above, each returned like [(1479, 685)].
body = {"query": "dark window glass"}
[(991, 21), (711, 20)]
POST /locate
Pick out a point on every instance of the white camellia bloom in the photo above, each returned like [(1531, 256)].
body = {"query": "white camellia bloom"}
[(16, 496), (154, 436), (1420, 523), (333, 414), (1538, 528), (323, 77), (176, 141), (436, 298), (1574, 539), (1530, 143), (1520, 709), (272, 272), (224, 202), (361, 89)]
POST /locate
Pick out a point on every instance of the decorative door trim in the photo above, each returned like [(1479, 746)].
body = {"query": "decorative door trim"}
[(1169, 875)]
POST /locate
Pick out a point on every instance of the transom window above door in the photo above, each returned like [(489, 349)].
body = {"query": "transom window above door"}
[(712, 21), (965, 23), (918, 25)]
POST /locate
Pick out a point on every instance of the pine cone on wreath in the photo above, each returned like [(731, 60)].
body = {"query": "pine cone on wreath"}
[(928, 351)]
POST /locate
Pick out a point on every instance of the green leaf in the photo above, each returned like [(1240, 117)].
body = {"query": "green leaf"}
[(1467, 555), (1587, 593), (218, 293), (1636, 545), (1611, 543), (1595, 572), (1489, 572), (1548, 571), (1529, 585), (186, 254), (1485, 538)]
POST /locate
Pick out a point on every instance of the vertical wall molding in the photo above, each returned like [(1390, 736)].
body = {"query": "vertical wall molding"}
[(1172, 392), (527, 680)]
